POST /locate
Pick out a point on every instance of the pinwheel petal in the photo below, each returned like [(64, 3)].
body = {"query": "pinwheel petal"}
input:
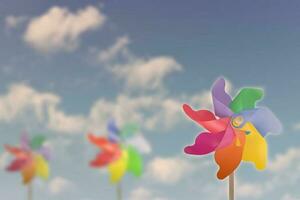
[(37, 142), (229, 158), (256, 148), (17, 164), (129, 130), (140, 143), (205, 143), (118, 168), (207, 119), (102, 159), (42, 168), (113, 131), (263, 120), (16, 151), (25, 142), (28, 172), (227, 138), (98, 141), (112, 127), (221, 99), (135, 162), (246, 99), (45, 152), (103, 143)]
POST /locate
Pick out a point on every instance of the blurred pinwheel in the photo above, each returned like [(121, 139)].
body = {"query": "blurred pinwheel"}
[(30, 158), (235, 131), (120, 150)]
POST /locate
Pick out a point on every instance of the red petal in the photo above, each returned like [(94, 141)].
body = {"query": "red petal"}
[(207, 119), (17, 165), (205, 143)]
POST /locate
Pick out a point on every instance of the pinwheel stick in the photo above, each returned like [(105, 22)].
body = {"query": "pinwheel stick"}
[(231, 186), (119, 191), (30, 191)]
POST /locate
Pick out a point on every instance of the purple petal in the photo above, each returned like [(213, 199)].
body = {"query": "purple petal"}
[(264, 120), (205, 143), (25, 142), (221, 99), (45, 152)]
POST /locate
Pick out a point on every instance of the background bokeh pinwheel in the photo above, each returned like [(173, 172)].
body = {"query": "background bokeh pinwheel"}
[(236, 130), (30, 158), (120, 151)]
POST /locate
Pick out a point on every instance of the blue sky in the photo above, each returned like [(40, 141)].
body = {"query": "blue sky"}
[(66, 67)]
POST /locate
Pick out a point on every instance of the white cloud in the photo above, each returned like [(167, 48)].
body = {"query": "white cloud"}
[(60, 29), (168, 170), (289, 197), (14, 21), (149, 111), (146, 73), (119, 47), (22, 99), (60, 122), (144, 194), (284, 160), (249, 190), (59, 185)]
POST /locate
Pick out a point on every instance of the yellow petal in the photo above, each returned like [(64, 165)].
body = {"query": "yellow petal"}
[(42, 168), (118, 168), (256, 148)]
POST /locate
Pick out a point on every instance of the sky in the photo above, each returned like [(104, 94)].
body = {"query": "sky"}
[(66, 67)]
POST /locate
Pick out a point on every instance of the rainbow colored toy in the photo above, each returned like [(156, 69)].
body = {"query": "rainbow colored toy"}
[(120, 151), (235, 131), (30, 158)]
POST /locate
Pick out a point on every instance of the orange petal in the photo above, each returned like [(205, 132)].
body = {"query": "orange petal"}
[(229, 158), (28, 172)]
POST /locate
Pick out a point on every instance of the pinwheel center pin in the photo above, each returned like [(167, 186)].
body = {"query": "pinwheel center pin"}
[(237, 121)]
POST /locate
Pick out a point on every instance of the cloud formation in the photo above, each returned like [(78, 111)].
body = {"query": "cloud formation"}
[(59, 185), (146, 73), (60, 29), (168, 170)]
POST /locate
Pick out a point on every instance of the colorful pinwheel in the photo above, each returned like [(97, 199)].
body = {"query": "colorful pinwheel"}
[(120, 151), (235, 131), (30, 158)]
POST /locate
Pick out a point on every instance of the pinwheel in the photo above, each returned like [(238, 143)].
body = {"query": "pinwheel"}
[(31, 159), (236, 130), (120, 152)]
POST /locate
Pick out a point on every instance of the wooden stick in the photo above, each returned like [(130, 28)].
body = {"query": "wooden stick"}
[(231, 186), (30, 191), (119, 191)]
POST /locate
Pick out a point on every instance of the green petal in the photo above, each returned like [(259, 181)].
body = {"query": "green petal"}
[(246, 99), (135, 162), (129, 129), (37, 142)]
